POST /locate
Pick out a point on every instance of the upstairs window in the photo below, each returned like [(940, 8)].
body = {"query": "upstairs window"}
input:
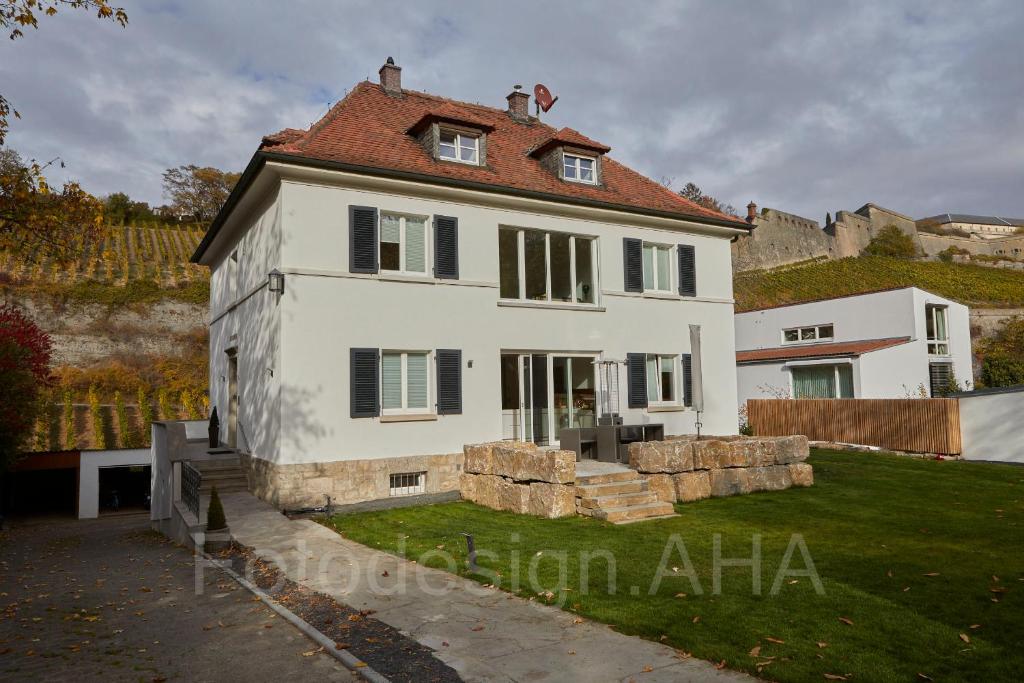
[(811, 333), (403, 244), (578, 169), (657, 271), (661, 379), (535, 265), (938, 330), (461, 147)]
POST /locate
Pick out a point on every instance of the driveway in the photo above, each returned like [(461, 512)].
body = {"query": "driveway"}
[(111, 600)]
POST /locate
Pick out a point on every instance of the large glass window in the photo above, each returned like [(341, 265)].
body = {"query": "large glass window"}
[(657, 271), (405, 381), (461, 147), (823, 381), (661, 379), (938, 330), (535, 265), (403, 243)]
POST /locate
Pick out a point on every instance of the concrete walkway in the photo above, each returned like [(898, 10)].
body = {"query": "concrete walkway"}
[(484, 634)]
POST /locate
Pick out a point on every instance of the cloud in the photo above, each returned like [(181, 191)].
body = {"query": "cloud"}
[(804, 106)]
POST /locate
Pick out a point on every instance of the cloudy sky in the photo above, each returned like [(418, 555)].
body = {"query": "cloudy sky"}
[(803, 106)]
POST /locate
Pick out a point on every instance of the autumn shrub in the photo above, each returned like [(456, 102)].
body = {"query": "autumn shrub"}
[(24, 374), (163, 399), (125, 432), (99, 434), (145, 412), (70, 435), (1002, 356), (892, 242)]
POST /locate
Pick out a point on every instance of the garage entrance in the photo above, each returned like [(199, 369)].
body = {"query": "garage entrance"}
[(124, 489)]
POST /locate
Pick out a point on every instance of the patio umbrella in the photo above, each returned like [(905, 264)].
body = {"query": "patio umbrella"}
[(696, 378)]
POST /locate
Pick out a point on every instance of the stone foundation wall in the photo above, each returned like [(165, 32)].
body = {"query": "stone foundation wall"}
[(519, 477), (345, 481), (683, 469)]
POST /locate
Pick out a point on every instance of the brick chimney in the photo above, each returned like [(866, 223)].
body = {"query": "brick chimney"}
[(391, 77), (751, 212), (518, 104)]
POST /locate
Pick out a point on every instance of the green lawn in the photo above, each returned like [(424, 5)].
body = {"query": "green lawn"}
[(925, 560)]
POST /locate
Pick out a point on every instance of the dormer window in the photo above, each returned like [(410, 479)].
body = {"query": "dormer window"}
[(579, 169), (460, 147)]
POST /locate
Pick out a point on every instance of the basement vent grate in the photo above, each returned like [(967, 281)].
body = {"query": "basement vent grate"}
[(408, 483)]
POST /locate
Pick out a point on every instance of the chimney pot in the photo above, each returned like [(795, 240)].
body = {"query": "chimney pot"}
[(391, 77), (518, 104), (751, 212)]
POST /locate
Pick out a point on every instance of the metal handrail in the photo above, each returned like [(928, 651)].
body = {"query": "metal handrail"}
[(191, 481)]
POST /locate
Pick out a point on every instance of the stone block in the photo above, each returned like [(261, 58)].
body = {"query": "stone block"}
[(479, 458), (761, 452), (521, 463), (484, 490), (662, 486), (729, 482), (791, 449), (802, 474), (711, 455), (552, 500), (513, 497), (770, 478), (666, 457), (691, 486)]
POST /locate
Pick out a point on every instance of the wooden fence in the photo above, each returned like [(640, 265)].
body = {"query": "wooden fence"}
[(917, 425)]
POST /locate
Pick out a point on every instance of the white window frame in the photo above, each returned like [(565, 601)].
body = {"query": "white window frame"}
[(407, 483), (431, 407), (402, 241), (816, 332), (937, 346), (676, 365), (654, 268), (459, 137), (577, 168), (521, 267)]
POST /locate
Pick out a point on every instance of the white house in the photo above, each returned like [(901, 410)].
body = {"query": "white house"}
[(898, 343), (413, 274)]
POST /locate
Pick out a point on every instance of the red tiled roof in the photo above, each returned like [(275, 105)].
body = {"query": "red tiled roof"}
[(370, 128), (281, 137), (572, 138), (827, 350)]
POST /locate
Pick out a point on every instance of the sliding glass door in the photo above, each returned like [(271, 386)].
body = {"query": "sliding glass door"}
[(544, 393)]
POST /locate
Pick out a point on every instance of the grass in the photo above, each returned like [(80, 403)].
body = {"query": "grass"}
[(913, 553), (967, 283)]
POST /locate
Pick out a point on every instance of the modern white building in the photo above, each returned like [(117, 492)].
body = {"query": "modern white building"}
[(899, 343), (413, 274)]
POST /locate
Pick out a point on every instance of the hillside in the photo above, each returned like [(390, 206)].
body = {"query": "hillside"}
[(127, 320), (974, 285)]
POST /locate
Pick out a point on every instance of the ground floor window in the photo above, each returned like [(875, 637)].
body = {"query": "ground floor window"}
[(405, 381), (407, 483), (940, 379), (823, 381), (661, 379), (543, 393)]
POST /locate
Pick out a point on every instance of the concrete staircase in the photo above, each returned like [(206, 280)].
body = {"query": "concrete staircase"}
[(225, 473), (620, 497)]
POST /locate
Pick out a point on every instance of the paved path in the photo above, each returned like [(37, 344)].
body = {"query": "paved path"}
[(111, 600), (484, 634)]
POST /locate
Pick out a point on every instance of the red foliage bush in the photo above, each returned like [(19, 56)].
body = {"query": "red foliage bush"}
[(24, 371)]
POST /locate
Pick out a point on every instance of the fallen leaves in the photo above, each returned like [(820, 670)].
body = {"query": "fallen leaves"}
[(848, 622), (964, 637), (755, 651), (774, 640), (835, 677)]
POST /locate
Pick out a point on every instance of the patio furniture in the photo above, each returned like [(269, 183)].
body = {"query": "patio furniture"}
[(608, 442)]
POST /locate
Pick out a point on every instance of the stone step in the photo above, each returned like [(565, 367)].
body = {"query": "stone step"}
[(228, 487), (607, 478), (619, 500), (612, 489), (205, 466), (634, 513)]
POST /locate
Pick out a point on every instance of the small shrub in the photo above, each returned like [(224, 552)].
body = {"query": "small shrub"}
[(145, 412), (892, 242), (70, 437), (99, 434), (125, 433), (167, 411), (215, 514)]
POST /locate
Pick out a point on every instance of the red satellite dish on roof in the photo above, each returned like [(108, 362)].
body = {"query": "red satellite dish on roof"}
[(542, 96)]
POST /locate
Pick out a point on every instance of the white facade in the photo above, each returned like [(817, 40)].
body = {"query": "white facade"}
[(990, 424), (897, 320), (292, 350), (90, 464)]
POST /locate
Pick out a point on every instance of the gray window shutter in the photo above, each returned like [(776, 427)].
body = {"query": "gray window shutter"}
[(364, 379), (362, 239), (687, 271), (633, 264), (449, 382), (446, 247), (636, 379), (941, 377), (687, 380)]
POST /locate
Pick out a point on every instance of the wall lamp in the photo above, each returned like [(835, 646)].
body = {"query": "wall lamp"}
[(275, 281)]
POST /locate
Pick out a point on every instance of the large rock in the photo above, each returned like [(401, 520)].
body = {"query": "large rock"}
[(662, 486), (666, 457), (479, 458), (711, 455), (770, 478), (761, 452), (481, 489), (552, 500), (802, 474), (791, 449), (691, 486), (729, 482), (513, 497), (532, 464)]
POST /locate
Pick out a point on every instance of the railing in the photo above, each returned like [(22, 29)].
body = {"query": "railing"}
[(919, 425), (191, 480)]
